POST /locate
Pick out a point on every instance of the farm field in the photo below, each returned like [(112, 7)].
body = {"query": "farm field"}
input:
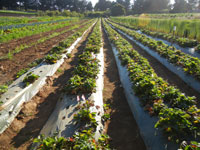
[(100, 83)]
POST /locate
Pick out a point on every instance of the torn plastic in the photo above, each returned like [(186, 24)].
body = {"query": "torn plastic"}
[(189, 79), (17, 94), (153, 138)]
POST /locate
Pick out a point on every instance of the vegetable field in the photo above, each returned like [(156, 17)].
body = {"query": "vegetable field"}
[(101, 83)]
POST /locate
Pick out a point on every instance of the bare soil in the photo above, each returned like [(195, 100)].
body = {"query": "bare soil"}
[(122, 127), (35, 113), (9, 68)]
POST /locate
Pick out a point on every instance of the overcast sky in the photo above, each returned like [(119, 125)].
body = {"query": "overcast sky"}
[(95, 1)]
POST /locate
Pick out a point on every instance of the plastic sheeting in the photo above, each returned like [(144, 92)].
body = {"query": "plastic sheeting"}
[(153, 138), (61, 120), (17, 94), (190, 80)]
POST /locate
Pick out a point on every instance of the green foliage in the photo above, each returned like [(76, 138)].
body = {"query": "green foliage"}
[(85, 73), (164, 27), (21, 72), (193, 145), (105, 117), (85, 115), (81, 140), (178, 115), (3, 89), (189, 64), (52, 59), (118, 10), (30, 78)]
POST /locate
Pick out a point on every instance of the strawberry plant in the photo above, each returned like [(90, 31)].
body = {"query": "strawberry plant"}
[(179, 118), (189, 64), (30, 78), (52, 59)]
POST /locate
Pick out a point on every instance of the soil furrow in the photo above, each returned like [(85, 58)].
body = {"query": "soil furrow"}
[(35, 113), (122, 128)]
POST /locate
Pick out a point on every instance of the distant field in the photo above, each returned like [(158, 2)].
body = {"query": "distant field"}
[(176, 15), (191, 26), (17, 12)]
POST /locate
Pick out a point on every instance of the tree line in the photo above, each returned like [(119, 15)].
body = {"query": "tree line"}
[(119, 7)]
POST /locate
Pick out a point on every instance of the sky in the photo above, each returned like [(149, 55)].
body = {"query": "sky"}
[(95, 1)]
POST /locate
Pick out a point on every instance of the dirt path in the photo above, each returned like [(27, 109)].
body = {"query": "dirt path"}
[(35, 113), (163, 72), (122, 127), (9, 68), (11, 45)]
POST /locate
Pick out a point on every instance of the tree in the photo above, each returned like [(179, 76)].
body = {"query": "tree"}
[(89, 6), (192, 5), (103, 5), (125, 3), (117, 10), (180, 6), (138, 6)]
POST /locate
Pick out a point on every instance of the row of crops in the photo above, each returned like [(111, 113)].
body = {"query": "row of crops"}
[(24, 46), (83, 82), (54, 54), (178, 116), (184, 28), (189, 64), (16, 33), (172, 113), (6, 21)]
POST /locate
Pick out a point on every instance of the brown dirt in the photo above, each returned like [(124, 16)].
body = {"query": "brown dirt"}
[(9, 68), (122, 127), (163, 72), (35, 113), (11, 45)]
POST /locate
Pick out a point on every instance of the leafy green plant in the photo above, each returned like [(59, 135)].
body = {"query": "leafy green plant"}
[(189, 64), (179, 117), (193, 145), (52, 59), (81, 140), (21, 72), (105, 117), (3, 89), (85, 115), (30, 78)]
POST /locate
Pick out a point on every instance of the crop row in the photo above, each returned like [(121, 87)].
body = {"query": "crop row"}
[(178, 115), (30, 24), (184, 28), (184, 42), (41, 40), (190, 65), (54, 54), (86, 70), (15, 33), (85, 73), (6, 22)]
